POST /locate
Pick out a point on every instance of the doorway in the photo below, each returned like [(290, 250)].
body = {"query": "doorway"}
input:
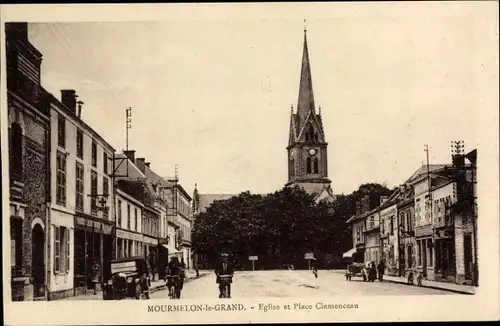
[(38, 260)]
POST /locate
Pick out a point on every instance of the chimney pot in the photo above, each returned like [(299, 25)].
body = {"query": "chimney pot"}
[(147, 164)]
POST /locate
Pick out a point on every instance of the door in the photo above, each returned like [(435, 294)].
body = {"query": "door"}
[(424, 257), (468, 256), (38, 261)]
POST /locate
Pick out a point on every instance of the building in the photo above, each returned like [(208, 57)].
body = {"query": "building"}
[(389, 234), (180, 210), (307, 146), (129, 237), (81, 209), (423, 180), (406, 228), (134, 182), (166, 230), (29, 165)]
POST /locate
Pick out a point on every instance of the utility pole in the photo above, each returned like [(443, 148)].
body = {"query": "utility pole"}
[(429, 194), (128, 121)]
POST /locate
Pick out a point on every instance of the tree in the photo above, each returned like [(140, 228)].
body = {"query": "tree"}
[(279, 227)]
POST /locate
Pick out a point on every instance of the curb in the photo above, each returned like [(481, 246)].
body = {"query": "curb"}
[(163, 286), (431, 287), (424, 286)]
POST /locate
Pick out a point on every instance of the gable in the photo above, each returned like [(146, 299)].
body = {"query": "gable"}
[(311, 120)]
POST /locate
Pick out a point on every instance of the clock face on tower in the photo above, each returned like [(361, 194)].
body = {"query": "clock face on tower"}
[(312, 152)]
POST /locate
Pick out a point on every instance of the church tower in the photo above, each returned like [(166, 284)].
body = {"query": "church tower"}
[(307, 146)]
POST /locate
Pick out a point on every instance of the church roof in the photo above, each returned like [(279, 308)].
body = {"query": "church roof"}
[(306, 96), (205, 200)]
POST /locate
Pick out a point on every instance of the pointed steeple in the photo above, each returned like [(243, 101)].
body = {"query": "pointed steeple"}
[(306, 96)]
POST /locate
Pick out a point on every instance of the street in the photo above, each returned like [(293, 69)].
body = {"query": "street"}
[(285, 283)]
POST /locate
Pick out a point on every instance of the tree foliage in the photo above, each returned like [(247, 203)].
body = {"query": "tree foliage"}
[(279, 227)]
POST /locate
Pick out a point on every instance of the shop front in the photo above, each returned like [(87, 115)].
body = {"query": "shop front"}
[(93, 244), (129, 243), (151, 253)]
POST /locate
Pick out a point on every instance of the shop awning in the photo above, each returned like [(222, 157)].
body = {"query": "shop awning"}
[(164, 246), (349, 253)]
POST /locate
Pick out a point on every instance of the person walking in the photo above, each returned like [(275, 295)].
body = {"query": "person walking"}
[(381, 270), (96, 273)]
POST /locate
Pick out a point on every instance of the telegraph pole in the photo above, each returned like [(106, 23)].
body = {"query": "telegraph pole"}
[(429, 184), (128, 121)]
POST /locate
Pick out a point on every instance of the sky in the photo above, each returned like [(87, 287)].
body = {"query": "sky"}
[(214, 95)]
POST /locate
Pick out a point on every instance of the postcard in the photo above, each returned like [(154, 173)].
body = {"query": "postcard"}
[(251, 162)]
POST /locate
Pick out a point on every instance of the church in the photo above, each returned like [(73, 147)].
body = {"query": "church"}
[(307, 148)]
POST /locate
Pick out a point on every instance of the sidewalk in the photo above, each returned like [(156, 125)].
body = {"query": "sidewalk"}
[(157, 285), (451, 287)]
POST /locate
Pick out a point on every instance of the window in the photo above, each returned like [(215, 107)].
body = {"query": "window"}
[(105, 191), (315, 165), (16, 151), (79, 186), (61, 179), (93, 192), (128, 216), (94, 154), (308, 163), (382, 226), (61, 131), (135, 219), (392, 225), (419, 252), (79, 143), (410, 256), (62, 247), (119, 221), (105, 163), (429, 246)]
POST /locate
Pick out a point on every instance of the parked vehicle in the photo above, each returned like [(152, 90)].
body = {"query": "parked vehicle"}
[(354, 269), (130, 278)]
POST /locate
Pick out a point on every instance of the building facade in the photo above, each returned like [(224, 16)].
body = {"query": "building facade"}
[(390, 236), (406, 229), (81, 209), (307, 146), (181, 211), (129, 237), (29, 166)]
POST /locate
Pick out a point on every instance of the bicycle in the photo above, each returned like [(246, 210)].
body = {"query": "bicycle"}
[(225, 280), (174, 291)]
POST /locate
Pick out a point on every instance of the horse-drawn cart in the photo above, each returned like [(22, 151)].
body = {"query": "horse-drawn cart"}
[(365, 270)]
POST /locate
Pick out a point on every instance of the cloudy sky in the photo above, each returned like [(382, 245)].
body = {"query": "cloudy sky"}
[(214, 95)]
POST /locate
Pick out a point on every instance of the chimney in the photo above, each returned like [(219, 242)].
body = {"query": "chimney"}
[(130, 154), (141, 164), (68, 98), (358, 209), (79, 113), (383, 199), (147, 164)]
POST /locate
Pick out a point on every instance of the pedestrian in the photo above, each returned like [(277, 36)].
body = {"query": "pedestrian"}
[(96, 273), (315, 271), (381, 270)]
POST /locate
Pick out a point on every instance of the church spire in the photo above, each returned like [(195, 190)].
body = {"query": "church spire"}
[(306, 96)]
